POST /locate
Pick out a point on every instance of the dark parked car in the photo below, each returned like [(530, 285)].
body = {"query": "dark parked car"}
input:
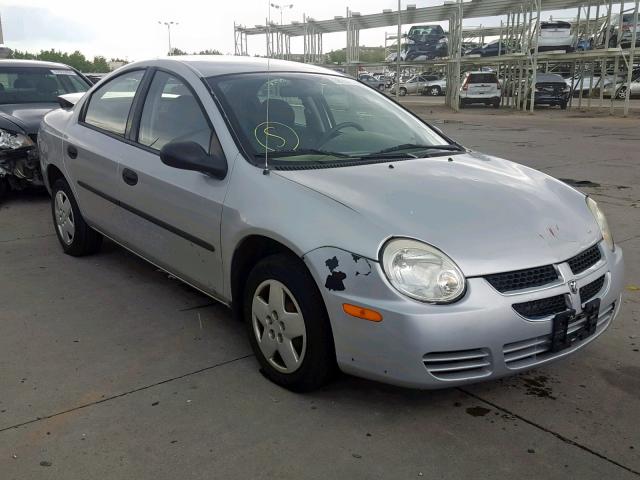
[(95, 77), (426, 42), (490, 49), (552, 90), (28, 90)]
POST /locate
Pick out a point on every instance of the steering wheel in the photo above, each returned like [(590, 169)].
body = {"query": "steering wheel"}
[(336, 129)]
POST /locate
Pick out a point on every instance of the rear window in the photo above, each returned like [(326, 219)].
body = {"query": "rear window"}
[(555, 25), (38, 84), (482, 78)]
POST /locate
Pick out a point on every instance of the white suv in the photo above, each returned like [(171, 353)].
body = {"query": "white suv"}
[(480, 87)]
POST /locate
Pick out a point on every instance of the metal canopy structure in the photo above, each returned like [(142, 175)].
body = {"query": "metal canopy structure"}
[(389, 18), (517, 67)]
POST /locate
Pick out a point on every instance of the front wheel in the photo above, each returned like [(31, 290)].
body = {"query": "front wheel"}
[(287, 324), (434, 91), (76, 237)]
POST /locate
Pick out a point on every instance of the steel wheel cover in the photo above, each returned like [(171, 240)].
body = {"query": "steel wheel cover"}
[(278, 326), (65, 221)]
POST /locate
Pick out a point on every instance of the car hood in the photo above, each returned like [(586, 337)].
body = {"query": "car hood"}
[(489, 215), (26, 116)]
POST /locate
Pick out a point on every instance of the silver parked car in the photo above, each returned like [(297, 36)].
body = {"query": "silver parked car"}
[(344, 230)]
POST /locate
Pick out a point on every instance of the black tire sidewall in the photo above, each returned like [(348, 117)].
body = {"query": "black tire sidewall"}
[(319, 361)]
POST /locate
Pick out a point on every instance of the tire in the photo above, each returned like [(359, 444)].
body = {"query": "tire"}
[(403, 92), (435, 91), (563, 106), (311, 359), (621, 94), (75, 236), (496, 104), (461, 104), (381, 87)]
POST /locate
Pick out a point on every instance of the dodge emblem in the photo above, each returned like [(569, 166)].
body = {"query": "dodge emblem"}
[(573, 286)]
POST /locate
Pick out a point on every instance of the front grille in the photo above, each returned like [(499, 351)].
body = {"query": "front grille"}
[(590, 290), (541, 308), (530, 352), (458, 365), (584, 260), (521, 279)]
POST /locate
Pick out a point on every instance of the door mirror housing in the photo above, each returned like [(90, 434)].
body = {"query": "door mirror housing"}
[(191, 156)]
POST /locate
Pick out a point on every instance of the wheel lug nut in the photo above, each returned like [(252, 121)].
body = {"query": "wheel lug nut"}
[(269, 319), (274, 314), (272, 334), (282, 325), (280, 337)]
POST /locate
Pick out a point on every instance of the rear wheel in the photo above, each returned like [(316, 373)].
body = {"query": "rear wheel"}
[(287, 324), (403, 92), (434, 91), (563, 106), (496, 104), (622, 93), (76, 237), (4, 187)]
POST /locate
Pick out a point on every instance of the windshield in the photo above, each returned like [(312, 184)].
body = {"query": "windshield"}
[(314, 118), (38, 84)]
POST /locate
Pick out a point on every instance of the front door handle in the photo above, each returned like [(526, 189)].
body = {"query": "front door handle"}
[(129, 176), (72, 151)]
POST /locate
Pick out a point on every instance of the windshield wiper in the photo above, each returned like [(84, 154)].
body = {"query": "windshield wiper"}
[(415, 146), (304, 151), (393, 152)]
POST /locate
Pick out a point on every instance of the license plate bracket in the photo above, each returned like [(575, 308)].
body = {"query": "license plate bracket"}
[(561, 339)]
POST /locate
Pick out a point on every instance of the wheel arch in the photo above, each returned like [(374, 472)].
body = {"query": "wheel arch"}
[(248, 252)]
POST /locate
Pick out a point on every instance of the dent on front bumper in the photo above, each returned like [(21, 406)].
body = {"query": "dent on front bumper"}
[(427, 346)]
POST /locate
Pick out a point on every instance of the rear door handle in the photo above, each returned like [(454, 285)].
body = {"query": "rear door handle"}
[(72, 151), (129, 176)]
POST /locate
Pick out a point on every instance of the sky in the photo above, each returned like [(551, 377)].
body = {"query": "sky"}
[(129, 28)]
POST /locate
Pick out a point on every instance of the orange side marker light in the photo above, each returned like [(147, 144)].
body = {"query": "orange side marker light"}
[(361, 312)]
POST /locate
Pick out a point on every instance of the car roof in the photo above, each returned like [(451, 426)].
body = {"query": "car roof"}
[(548, 77), (33, 63), (214, 65)]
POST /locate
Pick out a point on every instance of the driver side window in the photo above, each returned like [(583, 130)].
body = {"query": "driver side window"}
[(172, 113)]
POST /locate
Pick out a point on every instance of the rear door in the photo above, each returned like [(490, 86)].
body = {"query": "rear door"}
[(92, 148), (171, 216)]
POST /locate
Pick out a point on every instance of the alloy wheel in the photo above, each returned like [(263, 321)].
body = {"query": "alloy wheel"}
[(64, 217), (278, 325)]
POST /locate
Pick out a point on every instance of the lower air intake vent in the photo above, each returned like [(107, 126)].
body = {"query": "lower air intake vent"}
[(541, 308), (458, 365), (590, 290)]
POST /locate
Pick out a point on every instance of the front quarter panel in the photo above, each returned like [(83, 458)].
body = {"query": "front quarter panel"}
[(50, 138)]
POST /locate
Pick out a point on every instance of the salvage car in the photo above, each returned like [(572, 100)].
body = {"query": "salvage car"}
[(550, 89), (426, 42), (344, 230), (556, 35), (480, 87), (28, 90)]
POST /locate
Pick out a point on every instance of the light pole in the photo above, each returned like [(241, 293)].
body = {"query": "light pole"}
[(168, 24), (281, 8)]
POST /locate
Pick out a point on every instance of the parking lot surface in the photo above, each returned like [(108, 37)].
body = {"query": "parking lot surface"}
[(110, 369)]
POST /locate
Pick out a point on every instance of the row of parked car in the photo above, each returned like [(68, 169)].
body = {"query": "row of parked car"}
[(427, 42)]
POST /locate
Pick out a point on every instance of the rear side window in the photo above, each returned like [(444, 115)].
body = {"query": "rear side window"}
[(109, 105), (172, 114), (483, 78)]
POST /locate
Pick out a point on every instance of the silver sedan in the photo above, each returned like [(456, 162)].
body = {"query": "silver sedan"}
[(342, 229)]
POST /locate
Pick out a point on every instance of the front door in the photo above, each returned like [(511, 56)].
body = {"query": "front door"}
[(170, 216)]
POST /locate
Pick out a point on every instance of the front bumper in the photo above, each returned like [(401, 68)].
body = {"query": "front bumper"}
[(427, 346)]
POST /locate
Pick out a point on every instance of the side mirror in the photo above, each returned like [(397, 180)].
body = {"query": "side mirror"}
[(191, 156)]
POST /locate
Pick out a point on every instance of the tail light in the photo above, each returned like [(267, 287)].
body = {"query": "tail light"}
[(465, 85)]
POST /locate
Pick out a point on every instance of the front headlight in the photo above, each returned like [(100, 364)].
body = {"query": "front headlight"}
[(13, 141), (421, 271), (601, 220)]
